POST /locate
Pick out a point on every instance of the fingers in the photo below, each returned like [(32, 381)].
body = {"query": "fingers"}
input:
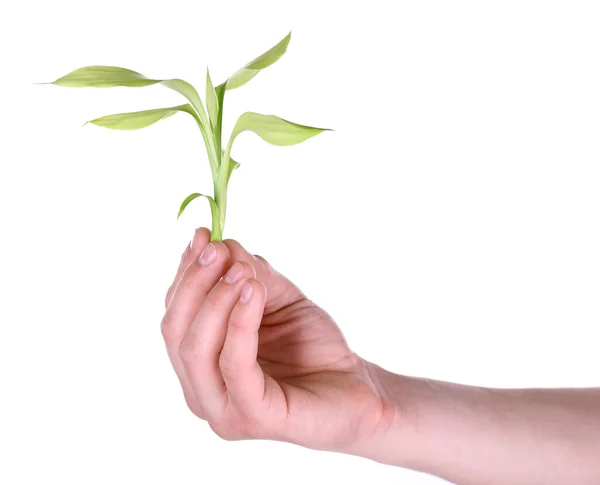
[(195, 284), (196, 281), (197, 244), (241, 372), (199, 351), (281, 292)]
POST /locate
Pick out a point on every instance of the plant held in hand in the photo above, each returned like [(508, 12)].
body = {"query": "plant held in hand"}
[(272, 129)]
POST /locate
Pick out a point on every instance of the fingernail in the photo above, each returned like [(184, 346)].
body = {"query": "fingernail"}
[(235, 273), (247, 292), (208, 255), (191, 245)]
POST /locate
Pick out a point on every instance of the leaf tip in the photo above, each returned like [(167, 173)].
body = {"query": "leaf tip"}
[(93, 122)]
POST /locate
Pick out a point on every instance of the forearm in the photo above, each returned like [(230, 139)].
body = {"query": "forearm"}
[(472, 435)]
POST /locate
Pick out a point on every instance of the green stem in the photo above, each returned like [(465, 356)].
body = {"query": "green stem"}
[(219, 221), (220, 176), (216, 233), (221, 184), (220, 92)]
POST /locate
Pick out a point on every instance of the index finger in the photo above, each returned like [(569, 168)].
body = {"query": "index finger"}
[(197, 244)]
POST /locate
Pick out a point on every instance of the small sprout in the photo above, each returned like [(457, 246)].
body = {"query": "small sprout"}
[(272, 129)]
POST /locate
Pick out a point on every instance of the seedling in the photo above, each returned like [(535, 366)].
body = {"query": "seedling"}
[(272, 129)]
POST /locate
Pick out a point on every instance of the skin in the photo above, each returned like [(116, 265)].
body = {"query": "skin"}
[(257, 359)]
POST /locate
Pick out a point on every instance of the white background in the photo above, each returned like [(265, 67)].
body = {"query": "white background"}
[(450, 224)]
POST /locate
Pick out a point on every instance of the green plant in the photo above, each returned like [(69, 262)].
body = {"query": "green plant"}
[(272, 129)]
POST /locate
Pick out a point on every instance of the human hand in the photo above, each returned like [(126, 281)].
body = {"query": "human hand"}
[(258, 360)]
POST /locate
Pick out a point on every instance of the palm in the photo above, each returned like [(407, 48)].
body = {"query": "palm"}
[(314, 382)]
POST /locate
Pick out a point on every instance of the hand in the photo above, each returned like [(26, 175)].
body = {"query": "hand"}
[(257, 359)]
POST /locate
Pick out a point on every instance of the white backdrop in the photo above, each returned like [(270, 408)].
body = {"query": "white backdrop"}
[(450, 224)]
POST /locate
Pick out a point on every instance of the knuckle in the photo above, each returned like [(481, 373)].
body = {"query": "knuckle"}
[(191, 277), (188, 278), (193, 406), (235, 427), (166, 329), (250, 270), (227, 365), (267, 267), (213, 302), (224, 432), (188, 353)]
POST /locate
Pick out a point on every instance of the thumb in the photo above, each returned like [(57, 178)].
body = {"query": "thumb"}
[(281, 292)]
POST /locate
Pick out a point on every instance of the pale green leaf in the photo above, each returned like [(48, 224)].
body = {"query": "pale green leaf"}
[(104, 77), (189, 198), (111, 76), (220, 92), (212, 104), (186, 89), (216, 233), (274, 130), (139, 119), (232, 166), (241, 77)]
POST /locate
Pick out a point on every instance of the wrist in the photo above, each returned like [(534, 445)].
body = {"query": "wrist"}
[(396, 424), (424, 423)]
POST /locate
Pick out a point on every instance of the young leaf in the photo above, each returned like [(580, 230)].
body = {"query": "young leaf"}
[(140, 119), (104, 77), (212, 104), (232, 166), (274, 130), (216, 226), (189, 198), (111, 76), (186, 89), (242, 76)]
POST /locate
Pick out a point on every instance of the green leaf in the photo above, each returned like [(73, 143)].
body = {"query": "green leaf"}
[(242, 76), (212, 104), (139, 119), (189, 198), (111, 76), (104, 77), (232, 166), (220, 92), (273, 130), (216, 233), (186, 89)]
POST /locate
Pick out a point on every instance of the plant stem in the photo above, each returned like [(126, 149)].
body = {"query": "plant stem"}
[(220, 175), (220, 92), (216, 233), (218, 222), (221, 183)]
